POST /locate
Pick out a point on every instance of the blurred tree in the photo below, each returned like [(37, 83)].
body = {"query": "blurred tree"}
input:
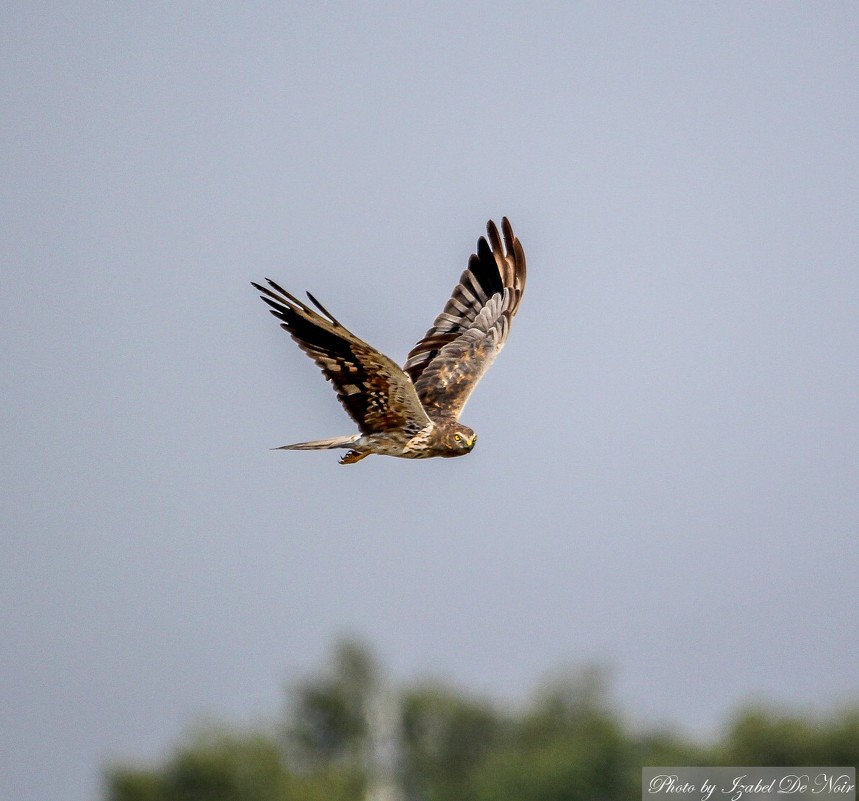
[(444, 737), (668, 748), (215, 766), (568, 746), (763, 736), (570, 702), (346, 739), (841, 739), (328, 719), (760, 737), (134, 784), (221, 766), (565, 769)]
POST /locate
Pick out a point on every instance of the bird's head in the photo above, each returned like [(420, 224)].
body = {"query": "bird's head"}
[(459, 440)]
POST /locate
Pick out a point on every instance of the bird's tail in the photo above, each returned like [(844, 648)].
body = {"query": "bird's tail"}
[(322, 444)]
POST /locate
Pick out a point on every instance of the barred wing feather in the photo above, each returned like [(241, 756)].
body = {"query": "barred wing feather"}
[(465, 338), (375, 392)]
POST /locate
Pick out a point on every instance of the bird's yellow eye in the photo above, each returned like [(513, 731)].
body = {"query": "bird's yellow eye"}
[(457, 437)]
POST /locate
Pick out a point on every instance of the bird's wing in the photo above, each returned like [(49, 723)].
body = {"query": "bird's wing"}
[(375, 392), (465, 338)]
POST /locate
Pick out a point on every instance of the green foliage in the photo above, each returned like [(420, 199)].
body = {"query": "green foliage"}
[(562, 769), (328, 720), (840, 740), (759, 736), (133, 784), (568, 744), (444, 738), (215, 766), (667, 748)]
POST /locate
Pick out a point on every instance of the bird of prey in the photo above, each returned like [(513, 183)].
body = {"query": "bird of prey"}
[(413, 412)]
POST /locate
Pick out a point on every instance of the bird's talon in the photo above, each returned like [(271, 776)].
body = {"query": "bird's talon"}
[(352, 457)]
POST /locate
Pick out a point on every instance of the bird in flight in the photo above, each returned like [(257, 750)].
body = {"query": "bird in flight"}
[(413, 412)]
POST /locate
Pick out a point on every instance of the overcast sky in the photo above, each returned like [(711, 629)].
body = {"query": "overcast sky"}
[(666, 479)]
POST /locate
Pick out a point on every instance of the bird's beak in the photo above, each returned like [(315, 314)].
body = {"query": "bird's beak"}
[(472, 442)]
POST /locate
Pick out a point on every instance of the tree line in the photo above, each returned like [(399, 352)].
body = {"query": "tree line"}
[(346, 737)]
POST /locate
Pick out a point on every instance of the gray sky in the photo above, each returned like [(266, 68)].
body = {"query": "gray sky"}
[(666, 479)]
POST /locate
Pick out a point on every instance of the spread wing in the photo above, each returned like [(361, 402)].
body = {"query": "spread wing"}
[(375, 392), (465, 338)]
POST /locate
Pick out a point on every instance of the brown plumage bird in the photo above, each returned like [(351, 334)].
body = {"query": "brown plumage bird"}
[(413, 412)]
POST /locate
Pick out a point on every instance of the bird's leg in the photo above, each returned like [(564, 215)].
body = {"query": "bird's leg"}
[(353, 456)]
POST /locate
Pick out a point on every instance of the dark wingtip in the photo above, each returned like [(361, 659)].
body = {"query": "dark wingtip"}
[(324, 311)]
